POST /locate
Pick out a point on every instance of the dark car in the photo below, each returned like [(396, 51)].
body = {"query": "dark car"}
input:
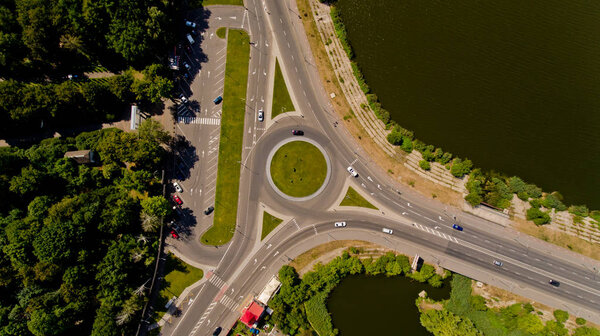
[(297, 132), (457, 227), (218, 100), (177, 200), (209, 210), (217, 331), (554, 283)]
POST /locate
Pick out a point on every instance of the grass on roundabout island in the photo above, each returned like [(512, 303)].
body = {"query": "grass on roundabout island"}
[(298, 169), (353, 198), (270, 222), (230, 145), (222, 32), (281, 97)]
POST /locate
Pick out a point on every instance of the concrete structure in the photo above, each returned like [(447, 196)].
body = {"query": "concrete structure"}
[(82, 156), (270, 289)]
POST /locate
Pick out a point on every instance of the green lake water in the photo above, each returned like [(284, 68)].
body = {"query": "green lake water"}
[(380, 305), (512, 85)]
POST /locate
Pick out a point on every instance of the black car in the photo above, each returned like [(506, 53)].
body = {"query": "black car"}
[(554, 283), (297, 132), (209, 210), (217, 331)]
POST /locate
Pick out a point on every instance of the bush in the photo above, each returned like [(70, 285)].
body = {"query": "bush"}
[(535, 203), (473, 199), (538, 216), (424, 165), (579, 210), (395, 138), (523, 196), (533, 191), (580, 321), (516, 185), (561, 316), (460, 168), (407, 144)]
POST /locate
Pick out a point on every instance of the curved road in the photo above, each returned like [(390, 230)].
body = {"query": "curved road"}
[(420, 225)]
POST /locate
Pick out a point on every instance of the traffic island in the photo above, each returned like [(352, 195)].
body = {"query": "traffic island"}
[(298, 169), (353, 198), (281, 97), (230, 144), (270, 222)]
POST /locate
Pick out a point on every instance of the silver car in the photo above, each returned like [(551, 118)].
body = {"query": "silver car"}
[(388, 231), (261, 115), (177, 187)]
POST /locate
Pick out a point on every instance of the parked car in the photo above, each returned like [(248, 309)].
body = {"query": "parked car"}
[(177, 200), (261, 115), (352, 171), (554, 283), (183, 98), (190, 38), (187, 66), (457, 227), (388, 231), (190, 24), (498, 263), (297, 132), (177, 187), (339, 224), (217, 331), (218, 100), (209, 210), (174, 234)]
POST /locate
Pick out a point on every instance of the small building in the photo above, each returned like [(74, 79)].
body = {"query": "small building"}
[(270, 289), (135, 117), (82, 156), (252, 314)]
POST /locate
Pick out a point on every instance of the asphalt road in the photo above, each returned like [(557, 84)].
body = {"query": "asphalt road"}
[(420, 225)]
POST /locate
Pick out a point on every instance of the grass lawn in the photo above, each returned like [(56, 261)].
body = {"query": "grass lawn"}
[(221, 32), (281, 97), (178, 276), (270, 222), (298, 168), (222, 2), (353, 198), (232, 133)]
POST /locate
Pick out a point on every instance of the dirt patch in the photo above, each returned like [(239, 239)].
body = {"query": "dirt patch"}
[(558, 238), (424, 305), (393, 166), (326, 252), (498, 298)]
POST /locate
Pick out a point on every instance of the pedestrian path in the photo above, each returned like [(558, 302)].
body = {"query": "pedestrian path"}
[(199, 121)]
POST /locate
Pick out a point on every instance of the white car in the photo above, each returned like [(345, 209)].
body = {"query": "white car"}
[(183, 98), (261, 115), (388, 231), (352, 171), (339, 224), (177, 187), (190, 24)]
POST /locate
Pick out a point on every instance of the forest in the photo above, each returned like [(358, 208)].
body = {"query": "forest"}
[(78, 241)]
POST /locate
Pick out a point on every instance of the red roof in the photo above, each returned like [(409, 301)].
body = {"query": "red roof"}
[(252, 314)]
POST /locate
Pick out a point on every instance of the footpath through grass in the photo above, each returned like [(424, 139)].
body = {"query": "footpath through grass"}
[(298, 168), (232, 133), (270, 222), (178, 276), (353, 198), (281, 97)]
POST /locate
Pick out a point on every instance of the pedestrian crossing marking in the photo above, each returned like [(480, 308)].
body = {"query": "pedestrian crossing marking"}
[(228, 302), (199, 121), (436, 232)]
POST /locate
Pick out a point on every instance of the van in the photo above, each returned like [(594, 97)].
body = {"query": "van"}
[(388, 231), (190, 39)]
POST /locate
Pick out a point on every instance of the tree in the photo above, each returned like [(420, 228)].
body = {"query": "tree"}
[(444, 323), (156, 206), (425, 165), (395, 138), (538, 216), (561, 316)]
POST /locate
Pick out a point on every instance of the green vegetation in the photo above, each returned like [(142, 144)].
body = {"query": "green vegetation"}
[(73, 253), (318, 316), (281, 97), (222, 32), (538, 216), (177, 276), (232, 133), (298, 168), (469, 315), (353, 198), (425, 165), (222, 2), (270, 222), (295, 298)]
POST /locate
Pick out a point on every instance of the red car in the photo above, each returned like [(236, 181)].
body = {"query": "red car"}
[(177, 200), (174, 234)]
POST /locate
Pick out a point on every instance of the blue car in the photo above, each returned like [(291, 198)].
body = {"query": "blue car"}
[(218, 100), (457, 227)]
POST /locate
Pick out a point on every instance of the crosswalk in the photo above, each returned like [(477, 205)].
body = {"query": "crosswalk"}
[(216, 281), (436, 233), (200, 121), (204, 316), (229, 302)]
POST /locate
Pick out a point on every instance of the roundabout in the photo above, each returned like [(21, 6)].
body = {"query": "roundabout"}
[(298, 169)]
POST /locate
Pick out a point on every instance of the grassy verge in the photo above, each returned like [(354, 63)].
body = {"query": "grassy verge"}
[(317, 314), (281, 97), (232, 133), (222, 2), (353, 198), (178, 276), (222, 32), (298, 168), (270, 222)]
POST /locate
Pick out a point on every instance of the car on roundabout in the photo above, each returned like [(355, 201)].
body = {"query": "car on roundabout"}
[(297, 132), (339, 224), (388, 231), (352, 171)]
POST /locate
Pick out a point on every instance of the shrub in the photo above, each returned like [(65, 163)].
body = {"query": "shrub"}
[(580, 321), (538, 216), (407, 144), (535, 203), (523, 196), (395, 138), (418, 145), (554, 201), (446, 157), (533, 191), (579, 210), (516, 185), (561, 316), (459, 167), (424, 165), (473, 199), (428, 155)]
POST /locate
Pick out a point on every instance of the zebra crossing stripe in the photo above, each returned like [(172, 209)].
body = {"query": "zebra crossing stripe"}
[(199, 121)]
